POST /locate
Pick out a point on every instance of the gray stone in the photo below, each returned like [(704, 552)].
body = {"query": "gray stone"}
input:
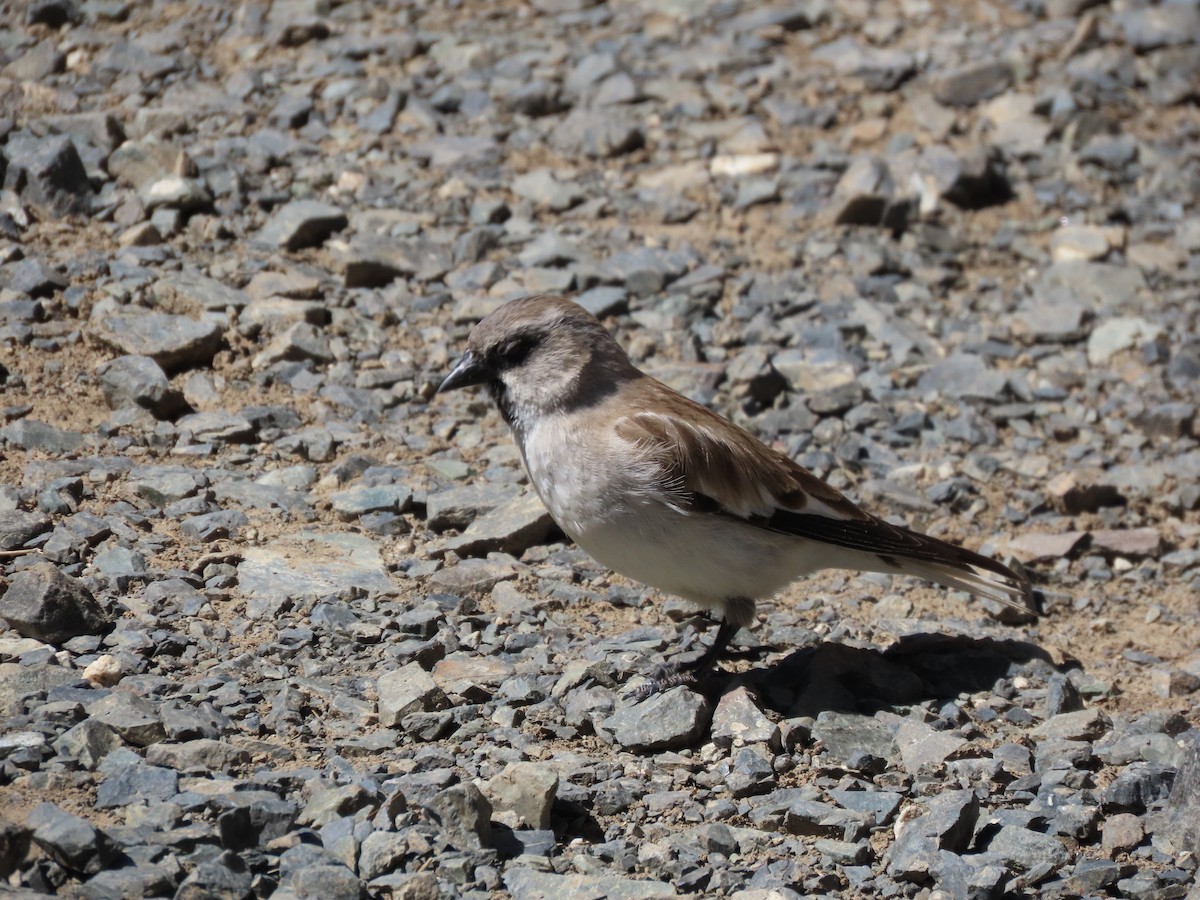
[(49, 175), (374, 261), (302, 223), (328, 804), (30, 434), (17, 528), (463, 815), (850, 738), (866, 195), (964, 376), (69, 840), (1150, 27), (139, 381), (739, 720), (600, 134), (174, 342), (225, 878), (1024, 849), (201, 753), (973, 83), (1180, 824), (136, 784), (299, 341), (405, 691), (923, 750), (313, 564), (19, 681), (88, 742), (134, 719), (32, 277), (666, 721), (193, 289), (44, 603), (358, 501), (542, 188), (512, 528)]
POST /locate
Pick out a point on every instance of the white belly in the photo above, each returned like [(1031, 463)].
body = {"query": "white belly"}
[(618, 514)]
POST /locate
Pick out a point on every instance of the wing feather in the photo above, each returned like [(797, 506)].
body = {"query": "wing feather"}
[(708, 465), (712, 465)]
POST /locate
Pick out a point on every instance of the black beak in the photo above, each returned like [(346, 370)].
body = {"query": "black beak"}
[(466, 372)]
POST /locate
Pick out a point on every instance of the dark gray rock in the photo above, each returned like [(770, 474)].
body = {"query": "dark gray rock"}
[(44, 603), (49, 175), (854, 740), (512, 527), (463, 815), (69, 840), (18, 528), (32, 277), (530, 884), (136, 784), (14, 845), (866, 194), (598, 134), (1024, 849)]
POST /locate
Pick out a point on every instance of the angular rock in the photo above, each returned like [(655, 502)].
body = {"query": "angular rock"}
[(174, 342), (69, 840), (464, 816), (49, 175), (302, 223), (667, 721), (140, 381), (43, 602), (523, 795)]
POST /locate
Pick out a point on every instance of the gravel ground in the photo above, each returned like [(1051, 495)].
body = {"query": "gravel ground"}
[(282, 622)]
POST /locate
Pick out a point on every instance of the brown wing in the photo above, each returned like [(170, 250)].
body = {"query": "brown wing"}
[(710, 464)]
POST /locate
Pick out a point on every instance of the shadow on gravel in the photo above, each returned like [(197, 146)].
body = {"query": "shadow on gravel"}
[(915, 669)]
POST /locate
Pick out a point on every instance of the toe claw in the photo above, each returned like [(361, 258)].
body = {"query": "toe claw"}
[(665, 678)]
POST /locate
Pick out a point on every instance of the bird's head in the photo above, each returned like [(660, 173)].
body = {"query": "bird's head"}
[(538, 355)]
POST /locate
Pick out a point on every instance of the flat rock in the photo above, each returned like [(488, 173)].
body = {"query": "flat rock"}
[(512, 528), (1038, 547), (667, 721), (302, 223), (1130, 542), (139, 381), (174, 342), (314, 564)]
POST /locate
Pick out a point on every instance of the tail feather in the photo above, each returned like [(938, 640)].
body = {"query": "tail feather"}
[(993, 582), (871, 543)]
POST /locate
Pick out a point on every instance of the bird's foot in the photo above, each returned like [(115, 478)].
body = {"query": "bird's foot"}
[(665, 678)]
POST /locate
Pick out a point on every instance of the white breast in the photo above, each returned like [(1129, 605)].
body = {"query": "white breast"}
[(616, 509)]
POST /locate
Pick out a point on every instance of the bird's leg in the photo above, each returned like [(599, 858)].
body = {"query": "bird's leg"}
[(689, 673)]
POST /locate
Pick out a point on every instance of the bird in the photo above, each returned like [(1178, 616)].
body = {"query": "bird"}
[(667, 492)]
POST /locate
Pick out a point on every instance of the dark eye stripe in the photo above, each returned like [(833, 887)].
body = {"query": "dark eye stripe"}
[(513, 352)]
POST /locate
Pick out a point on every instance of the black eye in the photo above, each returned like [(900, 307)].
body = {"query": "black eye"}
[(513, 351)]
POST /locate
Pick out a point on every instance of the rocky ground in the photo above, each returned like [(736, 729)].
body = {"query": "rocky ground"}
[(282, 622)]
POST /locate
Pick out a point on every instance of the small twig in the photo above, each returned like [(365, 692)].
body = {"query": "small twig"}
[(4, 554)]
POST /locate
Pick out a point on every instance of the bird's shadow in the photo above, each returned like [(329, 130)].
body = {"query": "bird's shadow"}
[(915, 669)]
